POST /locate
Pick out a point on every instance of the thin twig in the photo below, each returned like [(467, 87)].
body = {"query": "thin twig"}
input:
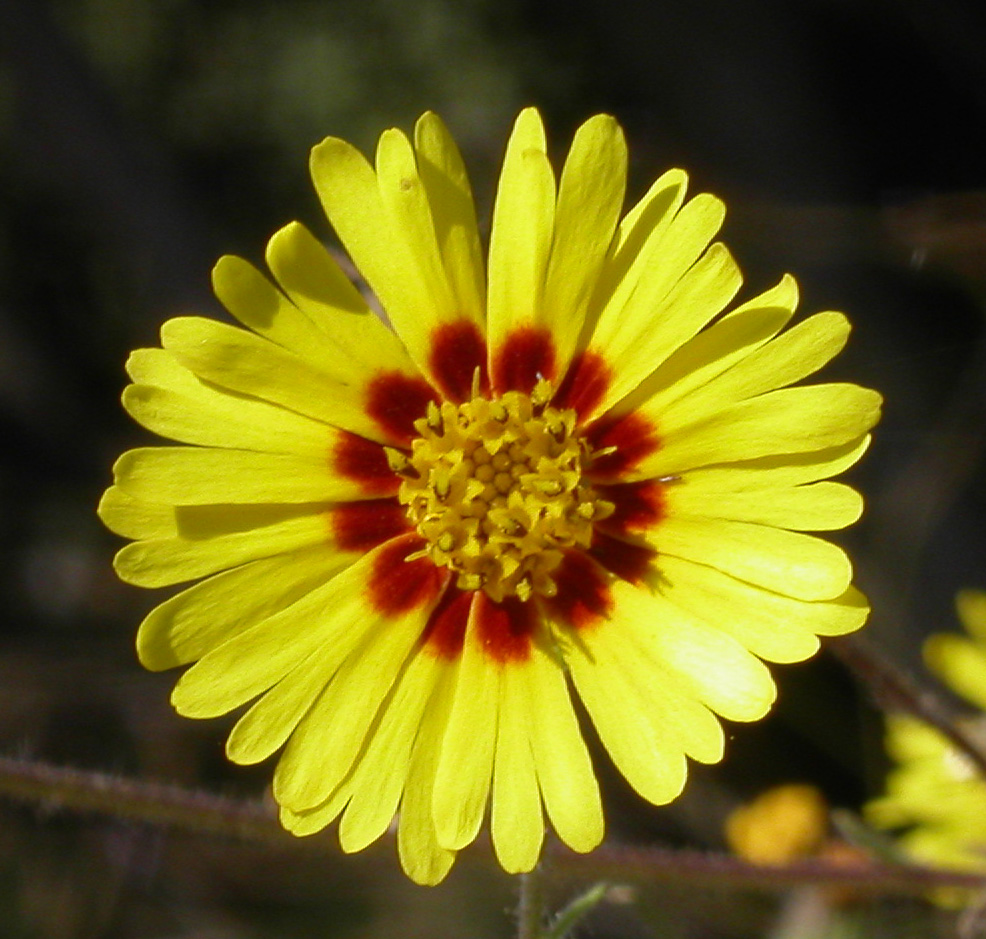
[(715, 869), (895, 689), (57, 788)]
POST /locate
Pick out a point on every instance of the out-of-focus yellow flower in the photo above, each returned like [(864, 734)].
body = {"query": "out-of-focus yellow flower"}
[(564, 471), (935, 793), (780, 825)]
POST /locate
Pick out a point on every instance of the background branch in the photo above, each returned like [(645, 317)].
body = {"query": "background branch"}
[(56, 788)]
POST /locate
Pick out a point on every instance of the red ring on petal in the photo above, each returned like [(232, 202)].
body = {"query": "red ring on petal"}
[(634, 437), (457, 350), (395, 401), (584, 597), (628, 561), (365, 462), (639, 506), (398, 586), (526, 356), (586, 382), (362, 526), (445, 632), (506, 629)]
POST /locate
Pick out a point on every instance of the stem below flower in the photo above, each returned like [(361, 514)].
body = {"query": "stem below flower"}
[(530, 909)]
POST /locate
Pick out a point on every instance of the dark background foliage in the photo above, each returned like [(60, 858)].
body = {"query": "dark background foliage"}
[(140, 139)]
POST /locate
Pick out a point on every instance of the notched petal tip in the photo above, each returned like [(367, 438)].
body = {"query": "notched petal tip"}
[(123, 467), (141, 362)]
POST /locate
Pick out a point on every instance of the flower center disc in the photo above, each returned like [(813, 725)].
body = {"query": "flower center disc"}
[(495, 488)]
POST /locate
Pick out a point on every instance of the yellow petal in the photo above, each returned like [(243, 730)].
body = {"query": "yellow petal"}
[(332, 617), (779, 471), (564, 771), (971, 606), (959, 663), (160, 368), (202, 617), (910, 739), (520, 238), (632, 332), (453, 212), (162, 561), (714, 350), (664, 253), (462, 778), (204, 476), (311, 821), (248, 364), (213, 418), (652, 764), (791, 420), (327, 741), (381, 773), (817, 507), (713, 666), (261, 307), (424, 860), (772, 626), (657, 319), (405, 201), (799, 352), (590, 197), (265, 727), (133, 518), (785, 562), (644, 224), (516, 822), (351, 195), (312, 279)]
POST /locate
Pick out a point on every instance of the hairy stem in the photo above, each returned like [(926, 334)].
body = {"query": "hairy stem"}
[(56, 788), (708, 868)]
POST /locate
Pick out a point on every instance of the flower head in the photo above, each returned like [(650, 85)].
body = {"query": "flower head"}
[(562, 472), (935, 792)]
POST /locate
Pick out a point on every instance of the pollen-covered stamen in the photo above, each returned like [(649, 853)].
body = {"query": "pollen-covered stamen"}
[(495, 488)]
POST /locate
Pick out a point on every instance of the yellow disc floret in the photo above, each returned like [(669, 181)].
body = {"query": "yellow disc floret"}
[(495, 487)]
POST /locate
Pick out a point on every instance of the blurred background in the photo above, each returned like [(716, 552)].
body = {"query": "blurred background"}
[(141, 139)]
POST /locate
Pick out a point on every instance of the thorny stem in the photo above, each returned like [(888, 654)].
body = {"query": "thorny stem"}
[(56, 788), (894, 689)]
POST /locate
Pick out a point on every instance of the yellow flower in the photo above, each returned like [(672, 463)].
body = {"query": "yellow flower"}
[(782, 824), (935, 792), (553, 476)]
